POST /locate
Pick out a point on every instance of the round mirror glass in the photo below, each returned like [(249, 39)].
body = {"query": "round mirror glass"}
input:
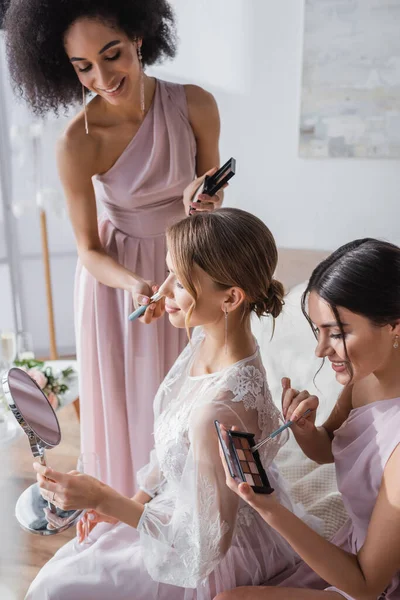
[(34, 407)]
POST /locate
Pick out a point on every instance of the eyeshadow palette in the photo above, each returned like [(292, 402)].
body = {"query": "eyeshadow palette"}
[(243, 464)]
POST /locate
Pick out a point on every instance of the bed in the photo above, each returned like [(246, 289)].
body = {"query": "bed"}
[(291, 353)]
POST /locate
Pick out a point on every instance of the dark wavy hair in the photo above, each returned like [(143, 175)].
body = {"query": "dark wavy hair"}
[(39, 67), (362, 276)]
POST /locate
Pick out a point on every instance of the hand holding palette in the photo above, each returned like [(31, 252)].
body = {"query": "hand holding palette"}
[(243, 464)]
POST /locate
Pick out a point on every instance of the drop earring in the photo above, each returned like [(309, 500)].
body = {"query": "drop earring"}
[(226, 332), (85, 109), (140, 57), (396, 342)]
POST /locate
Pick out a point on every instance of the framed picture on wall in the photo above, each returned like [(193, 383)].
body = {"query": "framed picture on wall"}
[(351, 79)]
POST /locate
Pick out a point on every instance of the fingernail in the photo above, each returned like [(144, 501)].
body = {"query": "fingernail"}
[(91, 517), (145, 300)]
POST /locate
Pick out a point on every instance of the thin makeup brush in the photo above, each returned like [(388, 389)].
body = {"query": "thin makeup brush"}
[(277, 432), (142, 309)]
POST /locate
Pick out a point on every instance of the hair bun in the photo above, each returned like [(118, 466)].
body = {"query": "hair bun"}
[(276, 298), (273, 303)]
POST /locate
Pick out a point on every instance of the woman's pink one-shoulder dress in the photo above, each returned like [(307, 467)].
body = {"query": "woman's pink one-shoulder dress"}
[(361, 449), (122, 363)]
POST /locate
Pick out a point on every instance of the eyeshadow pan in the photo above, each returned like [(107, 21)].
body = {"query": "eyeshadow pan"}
[(237, 443), (249, 479), (245, 443), (258, 481), (253, 467), (249, 455), (245, 467), (241, 454)]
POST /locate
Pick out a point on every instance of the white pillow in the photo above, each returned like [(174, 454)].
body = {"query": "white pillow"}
[(291, 353)]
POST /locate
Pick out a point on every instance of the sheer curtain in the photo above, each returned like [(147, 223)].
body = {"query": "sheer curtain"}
[(10, 310), (30, 182)]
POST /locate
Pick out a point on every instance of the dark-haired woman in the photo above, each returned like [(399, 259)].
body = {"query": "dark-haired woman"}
[(134, 148), (354, 310)]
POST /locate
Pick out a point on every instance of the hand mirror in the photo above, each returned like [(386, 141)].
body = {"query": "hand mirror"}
[(32, 410)]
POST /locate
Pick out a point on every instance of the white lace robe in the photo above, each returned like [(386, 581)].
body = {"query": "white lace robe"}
[(195, 537)]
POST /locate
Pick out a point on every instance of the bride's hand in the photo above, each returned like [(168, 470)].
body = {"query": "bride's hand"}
[(69, 491), (90, 519), (260, 502)]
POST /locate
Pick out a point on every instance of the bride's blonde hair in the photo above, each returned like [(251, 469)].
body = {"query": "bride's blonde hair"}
[(236, 249)]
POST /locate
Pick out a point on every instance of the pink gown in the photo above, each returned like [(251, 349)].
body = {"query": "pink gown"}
[(122, 363), (361, 448)]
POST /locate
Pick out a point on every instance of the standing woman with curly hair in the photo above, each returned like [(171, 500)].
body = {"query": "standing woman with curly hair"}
[(134, 147)]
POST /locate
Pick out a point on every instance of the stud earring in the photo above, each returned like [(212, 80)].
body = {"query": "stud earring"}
[(140, 57), (396, 342), (85, 109), (226, 332)]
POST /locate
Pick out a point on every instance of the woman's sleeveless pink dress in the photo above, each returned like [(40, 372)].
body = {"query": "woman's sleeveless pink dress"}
[(122, 363), (361, 448)]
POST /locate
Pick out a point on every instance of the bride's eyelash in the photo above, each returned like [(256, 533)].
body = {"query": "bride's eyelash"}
[(115, 57), (179, 285), (337, 336)]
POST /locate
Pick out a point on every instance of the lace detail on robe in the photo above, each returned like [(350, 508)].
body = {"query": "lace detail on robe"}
[(188, 526)]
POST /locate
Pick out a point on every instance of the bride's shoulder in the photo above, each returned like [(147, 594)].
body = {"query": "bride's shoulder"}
[(245, 381)]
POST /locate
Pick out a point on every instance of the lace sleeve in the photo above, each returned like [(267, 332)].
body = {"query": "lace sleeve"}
[(185, 533), (150, 478)]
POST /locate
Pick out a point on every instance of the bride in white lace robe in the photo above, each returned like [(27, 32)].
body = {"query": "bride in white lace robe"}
[(194, 537), (194, 533)]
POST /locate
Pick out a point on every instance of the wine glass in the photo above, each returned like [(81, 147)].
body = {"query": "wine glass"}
[(8, 347), (25, 346), (89, 463)]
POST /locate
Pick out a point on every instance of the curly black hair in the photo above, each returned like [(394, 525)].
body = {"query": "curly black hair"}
[(39, 67), (3, 7)]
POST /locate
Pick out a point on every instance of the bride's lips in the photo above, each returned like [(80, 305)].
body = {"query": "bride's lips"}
[(171, 309)]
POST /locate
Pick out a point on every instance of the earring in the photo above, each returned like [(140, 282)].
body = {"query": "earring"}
[(396, 342), (226, 332), (85, 109), (139, 53)]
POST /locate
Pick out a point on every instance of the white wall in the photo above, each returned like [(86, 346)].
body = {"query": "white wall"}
[(306, 203), (248, 54)]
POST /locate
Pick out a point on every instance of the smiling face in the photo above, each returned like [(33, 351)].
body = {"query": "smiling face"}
[(369, 347), (104, 58), (209, 304)]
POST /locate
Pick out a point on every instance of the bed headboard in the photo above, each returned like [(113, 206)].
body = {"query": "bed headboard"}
[(295, 265)]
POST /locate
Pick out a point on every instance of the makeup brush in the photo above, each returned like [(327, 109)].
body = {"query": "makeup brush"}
[(142, 309), (277, 432)]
